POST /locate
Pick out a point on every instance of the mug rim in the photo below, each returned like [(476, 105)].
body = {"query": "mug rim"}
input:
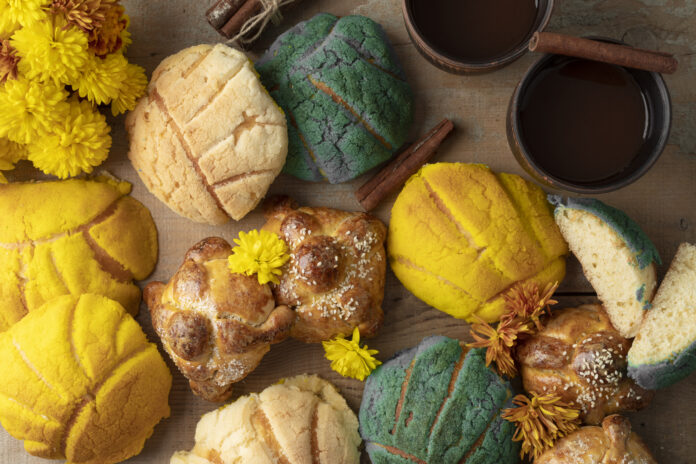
[(443, 61), (663, 101)]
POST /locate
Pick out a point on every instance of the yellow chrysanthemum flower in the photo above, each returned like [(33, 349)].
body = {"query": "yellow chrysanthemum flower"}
[(16, 13), (51, 49), (126, 35), (10, 153), (77, 144), (28, 109), (131, 90), (101, 78), (261, 253), (349, 359)]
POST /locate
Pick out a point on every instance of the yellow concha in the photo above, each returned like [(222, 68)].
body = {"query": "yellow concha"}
[(81, 382), (72, 237), (461, 235)]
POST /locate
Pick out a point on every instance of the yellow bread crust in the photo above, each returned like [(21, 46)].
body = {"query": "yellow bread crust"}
[(81, 382), (460, 235), (49, 248)]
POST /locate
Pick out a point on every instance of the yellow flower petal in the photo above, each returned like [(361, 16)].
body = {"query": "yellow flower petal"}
[(349, 359), (132, 88), (80, 142), (262, 253), (100, 80), (17, 13), (51, 50), (29, 109)]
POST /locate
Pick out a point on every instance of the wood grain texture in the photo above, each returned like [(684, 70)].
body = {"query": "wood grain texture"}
[(663, 202)]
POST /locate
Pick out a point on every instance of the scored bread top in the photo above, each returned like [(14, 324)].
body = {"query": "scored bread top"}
[(461, 235), (437, 403), (300, 420), (81, 382), (348, 104), (207, 139), (72, 237)]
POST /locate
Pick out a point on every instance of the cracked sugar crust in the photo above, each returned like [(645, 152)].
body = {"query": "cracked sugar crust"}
[(207, 139), (304, 419), (47, 250)]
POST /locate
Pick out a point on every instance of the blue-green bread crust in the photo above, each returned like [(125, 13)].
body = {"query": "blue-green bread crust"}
[(627, 229), (353, 58), (469, 428), (664, 373)]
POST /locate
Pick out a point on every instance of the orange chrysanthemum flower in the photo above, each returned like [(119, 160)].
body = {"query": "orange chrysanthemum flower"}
[(85, 14), (8, 61), (540, 420), (108, 38), (499, 342), (526, 302)]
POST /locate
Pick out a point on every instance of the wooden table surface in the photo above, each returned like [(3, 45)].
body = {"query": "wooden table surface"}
[(663, 202)]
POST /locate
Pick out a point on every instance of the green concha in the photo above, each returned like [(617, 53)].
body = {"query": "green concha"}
[(348, 105), (664, 373), (450, 408), (617, 257), (630, 232)]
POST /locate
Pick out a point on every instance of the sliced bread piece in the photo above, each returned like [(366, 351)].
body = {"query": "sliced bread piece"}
[(616, 256), (664, 351)]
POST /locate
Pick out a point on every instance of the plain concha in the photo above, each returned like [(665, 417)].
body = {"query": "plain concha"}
[(207, 139)]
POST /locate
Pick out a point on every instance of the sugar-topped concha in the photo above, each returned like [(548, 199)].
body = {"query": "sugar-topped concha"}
[(207, 139)]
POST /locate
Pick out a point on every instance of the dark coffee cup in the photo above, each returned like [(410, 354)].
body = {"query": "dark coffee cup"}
[(657, 108), (427, 44)]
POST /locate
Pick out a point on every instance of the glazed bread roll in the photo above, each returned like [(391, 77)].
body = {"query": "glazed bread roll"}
[(207, 139), (581, 357), (301, 420), (215, 325), (612, 443), (335, 277)]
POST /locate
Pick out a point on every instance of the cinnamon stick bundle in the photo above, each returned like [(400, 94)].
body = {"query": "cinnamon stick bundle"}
[(621, 55), (407, 163), (222, 11)]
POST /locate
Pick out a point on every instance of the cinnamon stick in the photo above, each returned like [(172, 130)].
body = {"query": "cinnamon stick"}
[(621, 55), (221, 12), (248, 10), (407, 163)]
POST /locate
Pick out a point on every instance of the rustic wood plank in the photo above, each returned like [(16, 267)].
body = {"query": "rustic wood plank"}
[(663, 202)]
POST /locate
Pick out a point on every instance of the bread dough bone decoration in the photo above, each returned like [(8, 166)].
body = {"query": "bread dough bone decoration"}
[(310, 273), (207, 139)]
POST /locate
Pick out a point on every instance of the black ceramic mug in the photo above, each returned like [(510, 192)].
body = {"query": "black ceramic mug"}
[(426, 44), (657, 107)]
